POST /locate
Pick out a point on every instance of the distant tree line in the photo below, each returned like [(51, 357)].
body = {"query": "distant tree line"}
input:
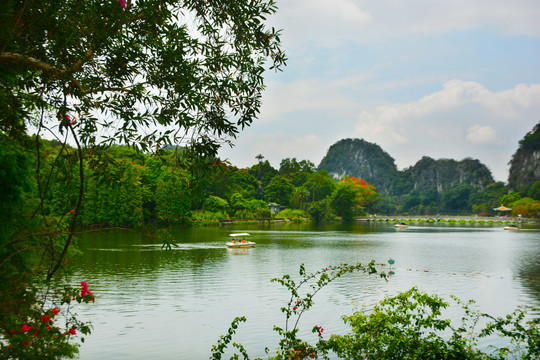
[(125, 187)]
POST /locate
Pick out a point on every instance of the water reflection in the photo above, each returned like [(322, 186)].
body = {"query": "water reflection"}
[(164, 304)]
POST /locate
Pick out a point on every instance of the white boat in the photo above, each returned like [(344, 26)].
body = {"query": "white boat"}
[(401, 225), (239, 241), (511, 227)]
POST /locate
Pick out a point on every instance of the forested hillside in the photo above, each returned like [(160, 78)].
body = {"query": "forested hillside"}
[(524, 174), (431, 186)]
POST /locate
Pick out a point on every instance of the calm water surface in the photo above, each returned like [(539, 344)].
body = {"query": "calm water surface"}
[(175, 304)]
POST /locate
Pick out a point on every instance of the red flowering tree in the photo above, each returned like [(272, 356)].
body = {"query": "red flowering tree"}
[(353, 197), (366, 196), (526, 207)]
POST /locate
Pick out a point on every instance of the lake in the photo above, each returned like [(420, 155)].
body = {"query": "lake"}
[(174, 304)]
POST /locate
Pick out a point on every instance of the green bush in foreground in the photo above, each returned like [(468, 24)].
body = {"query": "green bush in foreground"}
[(407, 326), (410, 326)]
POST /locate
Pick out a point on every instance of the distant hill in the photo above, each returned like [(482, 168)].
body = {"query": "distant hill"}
[(361, 159), (368, 161), (445, 174), (525, 163)]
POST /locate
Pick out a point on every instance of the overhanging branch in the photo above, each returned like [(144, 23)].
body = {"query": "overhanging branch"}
[(16, 58)]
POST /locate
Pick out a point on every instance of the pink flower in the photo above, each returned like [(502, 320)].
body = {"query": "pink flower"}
[(123, 4), (85, 291)]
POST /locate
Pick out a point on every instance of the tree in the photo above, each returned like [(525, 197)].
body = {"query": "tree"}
[(534, 191), (366, 196), (173, 197), (260, 158), (456, 200), (216, 204), (290, 166), (263, 171), (300, 197), (526, 207), (243, 182), (320, 185), (142, 73), (154, 71), (320, 210), (279, 190), (352, 196), (343, 201), (509, 198)]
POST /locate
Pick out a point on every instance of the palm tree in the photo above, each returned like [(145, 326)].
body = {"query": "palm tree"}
[(260, 158)]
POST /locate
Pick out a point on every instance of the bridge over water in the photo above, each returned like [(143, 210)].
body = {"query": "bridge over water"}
[(447, 218)]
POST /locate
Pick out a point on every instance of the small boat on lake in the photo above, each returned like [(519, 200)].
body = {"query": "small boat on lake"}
[(401, 225), (511, 227), (239, 241)]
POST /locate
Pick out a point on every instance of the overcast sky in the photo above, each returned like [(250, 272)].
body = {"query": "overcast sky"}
[(445, 79)]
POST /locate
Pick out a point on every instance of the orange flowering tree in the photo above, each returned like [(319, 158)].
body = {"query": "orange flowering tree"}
[(353, 197), (526, 207), (366, 196)]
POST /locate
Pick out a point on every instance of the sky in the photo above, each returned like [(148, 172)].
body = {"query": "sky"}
[(444, 79)]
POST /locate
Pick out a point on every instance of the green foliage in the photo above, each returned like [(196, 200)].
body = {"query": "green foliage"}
[(219, 349), (173, 199), (410, 326), (263, 171), (300, 197), (216, 204), (320, 185), (291, 166), (320, 211), (145, 65), (14, 175), (510, 198), (534, 191), (343, 202), (301, 300), (139, 73), (48, 331), (524, 165), (279, 190), (208, 217), (456, 200), (352, 197), (291, 213), (526, 207)]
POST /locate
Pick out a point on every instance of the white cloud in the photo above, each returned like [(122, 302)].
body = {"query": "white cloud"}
[(315, 94), (446, 124), (481, 134), (330, 23)]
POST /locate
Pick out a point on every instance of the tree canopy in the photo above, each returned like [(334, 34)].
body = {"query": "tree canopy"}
[(95, 73), (139, 72)]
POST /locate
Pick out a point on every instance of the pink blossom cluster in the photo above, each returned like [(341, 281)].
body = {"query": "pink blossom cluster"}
[(85, 291)]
